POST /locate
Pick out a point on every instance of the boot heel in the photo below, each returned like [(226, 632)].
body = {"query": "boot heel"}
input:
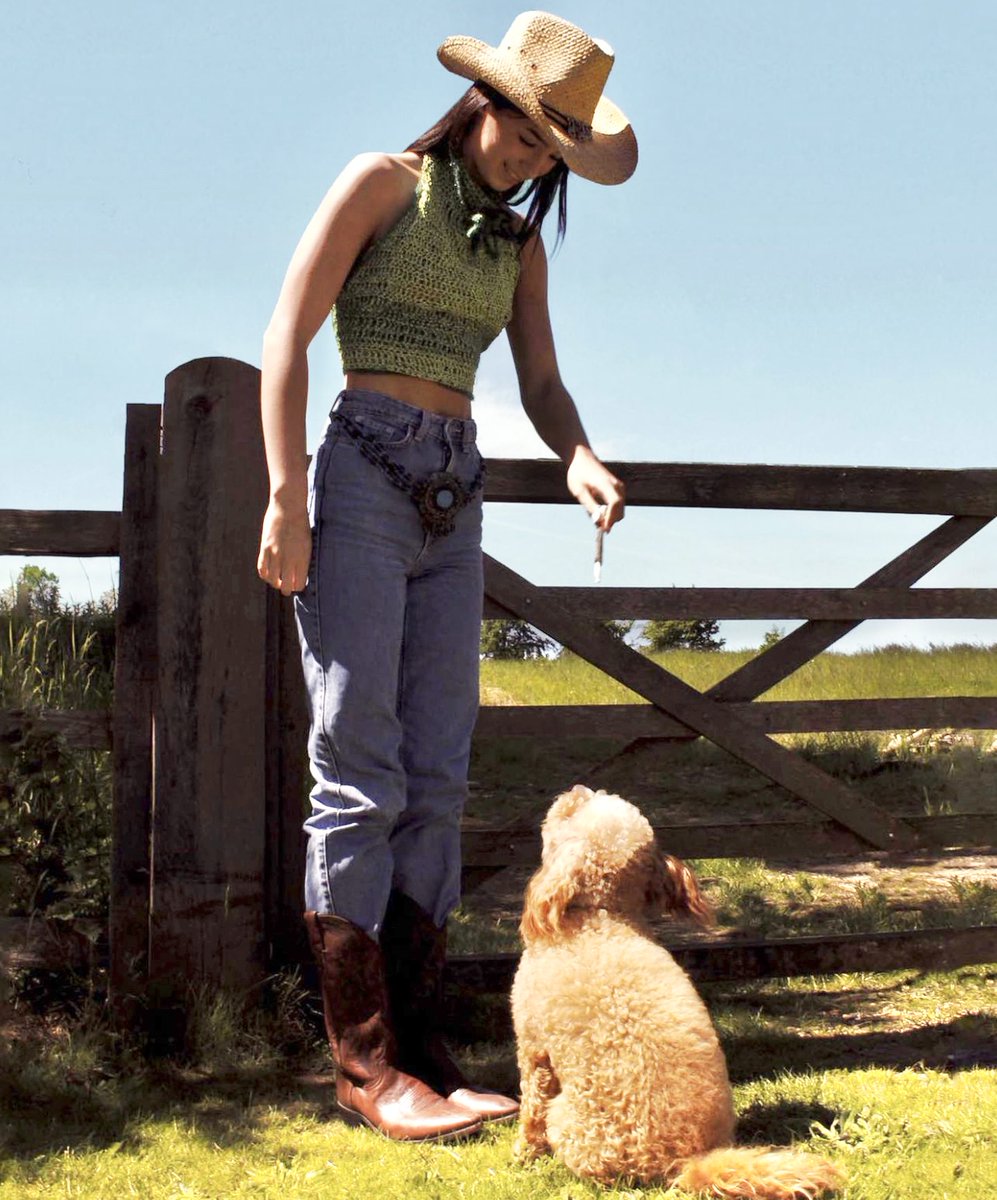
[(351, 1117), (370, 1089), (415, 955)]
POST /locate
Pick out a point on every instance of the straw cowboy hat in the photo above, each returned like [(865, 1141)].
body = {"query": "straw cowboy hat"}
[(554, 72)]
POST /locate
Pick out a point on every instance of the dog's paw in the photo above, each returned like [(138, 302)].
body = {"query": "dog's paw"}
[(524, 1151)]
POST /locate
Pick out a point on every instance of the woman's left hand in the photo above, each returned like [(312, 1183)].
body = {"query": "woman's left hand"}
[(595, 487)]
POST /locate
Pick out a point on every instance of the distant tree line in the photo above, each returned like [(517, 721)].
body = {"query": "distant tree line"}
[(515, 638)]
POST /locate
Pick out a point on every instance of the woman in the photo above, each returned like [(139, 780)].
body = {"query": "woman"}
[(423, 262)]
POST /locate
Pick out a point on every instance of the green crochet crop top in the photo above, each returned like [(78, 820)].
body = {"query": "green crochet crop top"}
[(435, 291)]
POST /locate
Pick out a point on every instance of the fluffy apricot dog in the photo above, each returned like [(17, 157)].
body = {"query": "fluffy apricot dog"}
[(622, 1074)]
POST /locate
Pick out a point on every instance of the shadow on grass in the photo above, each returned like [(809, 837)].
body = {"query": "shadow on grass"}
[(781, 1124), (72, 1084), (871, 910), (42, 1113), (964, 1042), (944, 1022), (45, 1110), (69, 1078)]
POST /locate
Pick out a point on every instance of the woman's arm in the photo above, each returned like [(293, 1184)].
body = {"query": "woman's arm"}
[(545, 398), (365, 200)]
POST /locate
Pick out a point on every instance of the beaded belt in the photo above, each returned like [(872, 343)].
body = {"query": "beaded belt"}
[(439, 497)]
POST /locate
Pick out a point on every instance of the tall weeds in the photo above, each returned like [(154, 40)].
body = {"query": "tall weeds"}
[(55, 801), (57, 662)]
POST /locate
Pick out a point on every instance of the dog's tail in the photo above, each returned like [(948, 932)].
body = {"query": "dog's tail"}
[(759, 1172)]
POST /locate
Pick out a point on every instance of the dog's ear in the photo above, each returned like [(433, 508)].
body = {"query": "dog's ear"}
[(551, 890), (673, 887)]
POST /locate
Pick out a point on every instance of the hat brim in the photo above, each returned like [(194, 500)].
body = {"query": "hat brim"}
[(608, 156)]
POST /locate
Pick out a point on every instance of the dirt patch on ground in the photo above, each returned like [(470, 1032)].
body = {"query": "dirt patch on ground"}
[(906, 884), (910, 877)]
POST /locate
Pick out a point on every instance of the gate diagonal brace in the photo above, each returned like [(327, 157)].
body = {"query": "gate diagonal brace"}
[(796, 649), (701, 714), (799, 647)]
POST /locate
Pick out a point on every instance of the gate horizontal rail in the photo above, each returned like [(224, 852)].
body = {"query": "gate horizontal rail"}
[(751, 485), (715, 960), (90, 729), (770, 716), (753, 604)]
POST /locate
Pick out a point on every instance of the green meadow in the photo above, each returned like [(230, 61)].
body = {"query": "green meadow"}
[(891, 1075), (959, 670)]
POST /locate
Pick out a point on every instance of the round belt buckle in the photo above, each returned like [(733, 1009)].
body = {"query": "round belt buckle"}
[(439, 499)]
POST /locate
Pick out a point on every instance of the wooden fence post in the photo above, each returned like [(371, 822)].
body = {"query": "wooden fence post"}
[(287, 759), (134, 691), (208, 888)]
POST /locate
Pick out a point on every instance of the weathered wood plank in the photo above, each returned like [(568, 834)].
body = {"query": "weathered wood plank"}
[(83, 534), (780, 841), (286, 762), (81, 729), (929, 949), (207, 922), (26, 943), (134, 700), (805, 643), (933, 949), (91, 730), (689, 706), (750, 604), (736, 485), (769, 716)]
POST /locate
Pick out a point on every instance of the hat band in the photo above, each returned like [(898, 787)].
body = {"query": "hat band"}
[(578, 131)]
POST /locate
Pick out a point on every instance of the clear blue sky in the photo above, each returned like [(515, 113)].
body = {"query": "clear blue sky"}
[(802, 270)]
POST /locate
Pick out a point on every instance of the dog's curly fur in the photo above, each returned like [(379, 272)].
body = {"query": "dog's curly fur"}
[(622, 1074)]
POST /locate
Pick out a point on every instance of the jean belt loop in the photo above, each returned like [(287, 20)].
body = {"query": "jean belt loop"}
[(424, 427), (454, 434)]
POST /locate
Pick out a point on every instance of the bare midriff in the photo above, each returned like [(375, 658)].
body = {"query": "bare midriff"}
[(421, 393)]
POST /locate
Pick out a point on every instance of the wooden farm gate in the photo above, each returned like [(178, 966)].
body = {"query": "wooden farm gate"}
[(208, 726)]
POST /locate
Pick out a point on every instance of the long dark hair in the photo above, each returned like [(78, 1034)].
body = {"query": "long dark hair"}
[(448, 134)]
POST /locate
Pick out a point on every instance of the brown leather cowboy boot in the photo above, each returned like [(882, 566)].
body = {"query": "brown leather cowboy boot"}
[(368, 1083), (415, 952)]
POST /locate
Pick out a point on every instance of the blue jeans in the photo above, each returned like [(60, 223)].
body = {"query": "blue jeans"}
[(389, 622)]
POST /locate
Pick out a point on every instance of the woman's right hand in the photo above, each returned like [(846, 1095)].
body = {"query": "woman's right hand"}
[(285, 548)]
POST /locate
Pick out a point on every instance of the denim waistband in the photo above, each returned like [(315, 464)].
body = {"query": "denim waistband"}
[(459, 432)]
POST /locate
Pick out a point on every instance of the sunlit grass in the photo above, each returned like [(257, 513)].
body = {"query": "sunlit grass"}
[(895, 671), (874, 1070), (751, 899), (912, 773), (853, 1067)]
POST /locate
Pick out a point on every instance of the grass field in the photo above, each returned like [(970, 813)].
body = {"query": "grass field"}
[(908, 771), (961, 670), (885, 1074), (893, 1076)]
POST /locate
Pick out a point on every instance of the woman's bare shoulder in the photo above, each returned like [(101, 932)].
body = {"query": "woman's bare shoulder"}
[(377, 169), (374, 189)]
